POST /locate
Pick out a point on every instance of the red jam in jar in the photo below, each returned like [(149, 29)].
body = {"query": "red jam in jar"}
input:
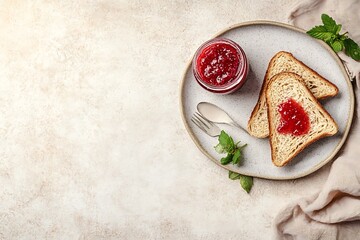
[(220, 66), (218, 63), (294, 120)]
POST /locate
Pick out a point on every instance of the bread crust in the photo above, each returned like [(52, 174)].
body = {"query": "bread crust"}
[(272, 128), (256, 108), (266, 82), (315, 73)]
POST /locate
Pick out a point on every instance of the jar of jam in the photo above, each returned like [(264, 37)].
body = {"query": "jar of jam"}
[(220, 66)]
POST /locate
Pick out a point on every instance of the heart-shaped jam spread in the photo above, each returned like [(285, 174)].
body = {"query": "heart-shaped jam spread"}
[(294, 120)]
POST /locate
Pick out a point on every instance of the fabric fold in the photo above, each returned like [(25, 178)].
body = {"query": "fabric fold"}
[(333, 212)]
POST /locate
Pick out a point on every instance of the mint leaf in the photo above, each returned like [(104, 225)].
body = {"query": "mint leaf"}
[(352, 49), (246, 182), (224, 138), (329, 23), (226, 141), (237, 156), (219, 149), (337, 46), (227, 159), (320, 32), (330, 33), (234, 175), (338, 28)]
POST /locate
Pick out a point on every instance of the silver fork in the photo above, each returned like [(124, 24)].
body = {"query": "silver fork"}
[(208, 127)]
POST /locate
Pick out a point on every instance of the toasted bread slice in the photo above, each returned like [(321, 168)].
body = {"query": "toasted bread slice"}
[(286, 62), (284, 147)]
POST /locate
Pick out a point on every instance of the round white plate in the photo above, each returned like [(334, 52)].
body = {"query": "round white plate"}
[(261, 40)]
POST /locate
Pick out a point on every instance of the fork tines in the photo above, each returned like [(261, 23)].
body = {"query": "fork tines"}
[(208, 127), (200, 121)]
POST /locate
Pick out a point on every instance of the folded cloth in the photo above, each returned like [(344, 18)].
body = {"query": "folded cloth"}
[(333, 212)]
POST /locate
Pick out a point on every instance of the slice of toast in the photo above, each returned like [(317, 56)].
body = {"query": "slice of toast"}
[(286, 62), (284, 147)]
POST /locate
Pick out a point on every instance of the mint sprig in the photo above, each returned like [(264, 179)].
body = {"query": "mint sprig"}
[(227, 145), (329, 32), (234, 155)]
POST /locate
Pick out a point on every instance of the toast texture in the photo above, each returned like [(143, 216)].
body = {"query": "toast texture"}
[(286, 62), (285, 147)]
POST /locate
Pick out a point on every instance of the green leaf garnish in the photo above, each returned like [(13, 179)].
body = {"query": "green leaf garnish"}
[(246, 182), (226, 141), (219, 149), (352, 49), (234, 155), (337, 46), (330, 33), (234, 175), (329, 23), (227, 159), (226, 145), (320, 32), (338, 28), (237, 156)]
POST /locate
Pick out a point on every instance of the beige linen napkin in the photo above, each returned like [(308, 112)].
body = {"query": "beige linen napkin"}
[(333, 212)]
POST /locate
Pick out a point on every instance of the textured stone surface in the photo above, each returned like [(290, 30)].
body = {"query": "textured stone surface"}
[(92, 144)]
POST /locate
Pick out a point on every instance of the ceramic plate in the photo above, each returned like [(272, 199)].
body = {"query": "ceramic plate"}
[(261, 40)]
